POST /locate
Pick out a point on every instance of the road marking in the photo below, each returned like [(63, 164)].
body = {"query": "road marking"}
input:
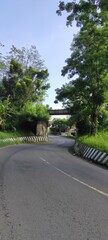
[(75, 179)]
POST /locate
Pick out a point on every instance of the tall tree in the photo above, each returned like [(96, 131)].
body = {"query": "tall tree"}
[(88, 65), (24, 81), (28, 57), (20, 86)]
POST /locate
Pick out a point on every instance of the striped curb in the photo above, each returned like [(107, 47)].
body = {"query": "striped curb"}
[(91, 154), (26, 139)]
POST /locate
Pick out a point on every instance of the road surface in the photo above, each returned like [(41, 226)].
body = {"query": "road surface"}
[(48, 194)]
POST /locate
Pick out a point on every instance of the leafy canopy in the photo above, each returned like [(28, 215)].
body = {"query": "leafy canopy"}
[(20, 86), (24, 81), (87, 66)]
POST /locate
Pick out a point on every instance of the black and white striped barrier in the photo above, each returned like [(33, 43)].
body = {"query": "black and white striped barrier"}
[(91, 154), (26, 139)]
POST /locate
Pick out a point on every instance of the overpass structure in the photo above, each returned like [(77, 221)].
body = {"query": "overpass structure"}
[(59, 112)]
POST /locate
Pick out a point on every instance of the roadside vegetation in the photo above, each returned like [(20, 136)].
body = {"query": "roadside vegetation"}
[(99, 141), (9, 135), (85, 93), (60, 126), (13, 134), (23, 87)]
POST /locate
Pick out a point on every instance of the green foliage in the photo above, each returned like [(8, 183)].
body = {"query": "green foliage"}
[(29, 109), (20, 86), (60, 125), (23, 88), (7, 115), (30, 115), (83, 11), (99, 141), (37, 111), (58, 121), (12, 134), (15, 67), (87, 66), (2, 63), (103, 118), (27, 57), (42, 112)]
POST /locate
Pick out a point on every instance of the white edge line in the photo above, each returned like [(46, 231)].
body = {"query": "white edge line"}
[(75, 179)]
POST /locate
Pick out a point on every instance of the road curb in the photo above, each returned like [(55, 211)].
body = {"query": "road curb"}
[(91, 154)]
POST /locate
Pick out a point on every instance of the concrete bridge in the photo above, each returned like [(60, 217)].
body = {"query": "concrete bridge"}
[(41, 128), (59, 112)]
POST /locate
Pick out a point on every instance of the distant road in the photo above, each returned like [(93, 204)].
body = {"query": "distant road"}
[(48, 194)]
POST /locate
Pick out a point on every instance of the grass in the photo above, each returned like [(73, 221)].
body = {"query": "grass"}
[(99, 142), (16, 134)]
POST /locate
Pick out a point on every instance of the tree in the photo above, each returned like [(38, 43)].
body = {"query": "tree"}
[(84, 11), (38, 111), (27, 57), (21, 85), (7, 115), (60, 125), (88, 64), (75, 99), (2, 63), (25, 82)]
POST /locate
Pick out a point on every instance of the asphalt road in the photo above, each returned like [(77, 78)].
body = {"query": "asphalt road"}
[(48, 194)]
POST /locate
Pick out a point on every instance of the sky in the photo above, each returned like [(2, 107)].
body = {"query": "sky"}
[(34, 22)]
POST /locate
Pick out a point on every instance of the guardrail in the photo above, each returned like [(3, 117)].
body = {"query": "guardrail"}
[(26, 139), (91, 154)]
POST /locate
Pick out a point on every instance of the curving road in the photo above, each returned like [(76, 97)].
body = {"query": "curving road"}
[(48, 194)]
